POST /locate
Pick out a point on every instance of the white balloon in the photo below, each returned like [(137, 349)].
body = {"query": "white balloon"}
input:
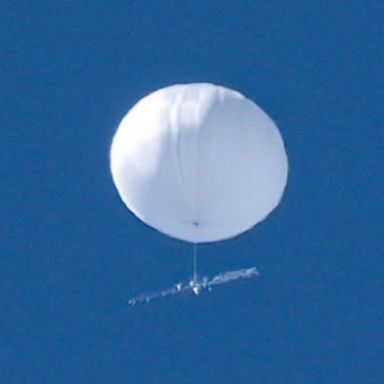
[(199, 162)]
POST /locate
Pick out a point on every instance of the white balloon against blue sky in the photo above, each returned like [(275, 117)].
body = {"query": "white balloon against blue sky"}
[(199, 162)]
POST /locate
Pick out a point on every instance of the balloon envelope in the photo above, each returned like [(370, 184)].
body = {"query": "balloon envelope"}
[(199, 162)]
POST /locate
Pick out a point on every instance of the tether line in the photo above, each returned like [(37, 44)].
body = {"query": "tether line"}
[(194, 262)]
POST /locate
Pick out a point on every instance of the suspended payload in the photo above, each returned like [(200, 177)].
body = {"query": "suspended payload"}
[(199, 162)]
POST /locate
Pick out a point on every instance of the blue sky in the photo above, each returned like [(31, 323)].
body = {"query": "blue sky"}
[(71, 254)]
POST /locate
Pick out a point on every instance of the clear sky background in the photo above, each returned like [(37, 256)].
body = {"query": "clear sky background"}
[(71, 254)]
